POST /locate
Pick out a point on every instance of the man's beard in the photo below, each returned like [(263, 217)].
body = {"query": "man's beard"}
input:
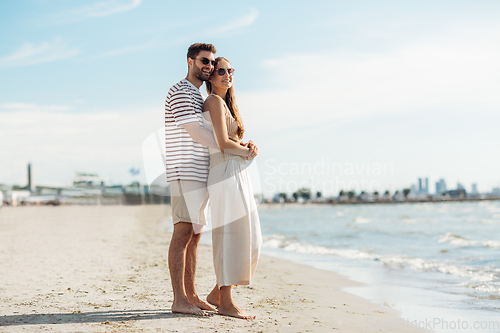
[(199, 74)]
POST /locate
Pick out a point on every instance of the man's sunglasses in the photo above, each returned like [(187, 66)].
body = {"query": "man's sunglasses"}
[(206, 61), (222, 71)]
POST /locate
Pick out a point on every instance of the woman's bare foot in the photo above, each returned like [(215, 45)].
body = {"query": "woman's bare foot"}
[(214, 297), (234, 311), (227, 306), (187, 308)]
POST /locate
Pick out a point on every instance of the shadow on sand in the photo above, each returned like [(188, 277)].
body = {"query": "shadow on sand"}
[(87, 317)]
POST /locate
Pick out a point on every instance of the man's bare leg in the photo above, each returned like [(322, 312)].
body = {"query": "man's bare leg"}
[(190, 273), (214, 296), (227, 306), (183, 232)]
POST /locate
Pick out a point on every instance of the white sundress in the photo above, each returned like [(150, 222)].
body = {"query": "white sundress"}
[(236, 234)]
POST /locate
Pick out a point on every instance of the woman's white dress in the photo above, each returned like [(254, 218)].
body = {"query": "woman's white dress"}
[(236, 234)]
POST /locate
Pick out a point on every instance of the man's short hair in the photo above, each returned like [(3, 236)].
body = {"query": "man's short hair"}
[(195, 49)]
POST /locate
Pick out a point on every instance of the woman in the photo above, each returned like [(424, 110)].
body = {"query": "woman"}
[(236, 236)]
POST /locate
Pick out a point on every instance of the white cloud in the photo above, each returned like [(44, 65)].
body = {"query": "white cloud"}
[(27, 107), (241, 22), (31, 54), (98, 9), (60, 144), (125, 50), (231, 27), (444, 73)]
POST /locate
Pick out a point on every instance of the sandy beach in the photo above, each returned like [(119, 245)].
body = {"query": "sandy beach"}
[(104, 269)]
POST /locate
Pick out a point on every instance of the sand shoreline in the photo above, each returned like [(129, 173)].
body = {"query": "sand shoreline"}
[(104, 269)]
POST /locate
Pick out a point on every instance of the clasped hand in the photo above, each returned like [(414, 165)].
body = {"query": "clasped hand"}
[(253, 150)]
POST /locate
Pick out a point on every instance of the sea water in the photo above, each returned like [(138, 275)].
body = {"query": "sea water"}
[(437, 263)]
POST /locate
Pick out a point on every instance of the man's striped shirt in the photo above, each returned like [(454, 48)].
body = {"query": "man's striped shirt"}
[(185, 158)]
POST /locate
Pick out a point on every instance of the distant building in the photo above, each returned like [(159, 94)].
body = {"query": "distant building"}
[(421, 188), (17, 197), (31, 182), (457, 194), (474, 189), (496, 191), (460, 187), (440, 186), (87, 179)]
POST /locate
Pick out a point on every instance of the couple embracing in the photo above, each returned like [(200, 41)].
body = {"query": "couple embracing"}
[(205, 158)]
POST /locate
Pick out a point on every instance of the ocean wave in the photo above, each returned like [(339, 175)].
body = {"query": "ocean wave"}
[(484, 221), (492, 287), (361, 219), (481, 274), (458, 240), (491, 207), (279, 241), (408, 220)]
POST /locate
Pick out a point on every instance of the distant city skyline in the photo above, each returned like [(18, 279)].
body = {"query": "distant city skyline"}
[(413, 85), (421, 187)]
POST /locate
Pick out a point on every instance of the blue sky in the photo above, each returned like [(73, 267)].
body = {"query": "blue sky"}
[(359, 83)]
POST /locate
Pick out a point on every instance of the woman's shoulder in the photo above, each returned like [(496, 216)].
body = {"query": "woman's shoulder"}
[(213, 102), (212, 98)]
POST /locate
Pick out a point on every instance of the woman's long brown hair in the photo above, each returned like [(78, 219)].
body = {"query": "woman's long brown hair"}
[(230, 102)]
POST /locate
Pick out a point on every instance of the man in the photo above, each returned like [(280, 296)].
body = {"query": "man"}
[(187, 162)]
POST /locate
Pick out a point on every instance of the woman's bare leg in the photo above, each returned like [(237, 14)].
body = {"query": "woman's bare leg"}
[(214, 296), (227, 306)]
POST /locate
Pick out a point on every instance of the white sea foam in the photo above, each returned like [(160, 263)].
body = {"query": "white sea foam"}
[(413, 221), (275, 241), (491, 287), (425, 265), (272, 244), (361, 219), (492, 207), (492, 244), (458, 240), (483, 221), (482, 274), (279, 241)]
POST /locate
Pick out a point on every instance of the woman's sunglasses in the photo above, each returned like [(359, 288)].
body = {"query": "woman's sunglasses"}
[(222, 71), (206, 61)]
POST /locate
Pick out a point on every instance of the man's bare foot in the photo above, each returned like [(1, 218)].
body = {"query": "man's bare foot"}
[(202, 304), (234, 311), (214, 297), (187, 308)]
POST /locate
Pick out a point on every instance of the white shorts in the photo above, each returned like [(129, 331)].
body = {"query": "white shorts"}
[(189, 203)]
